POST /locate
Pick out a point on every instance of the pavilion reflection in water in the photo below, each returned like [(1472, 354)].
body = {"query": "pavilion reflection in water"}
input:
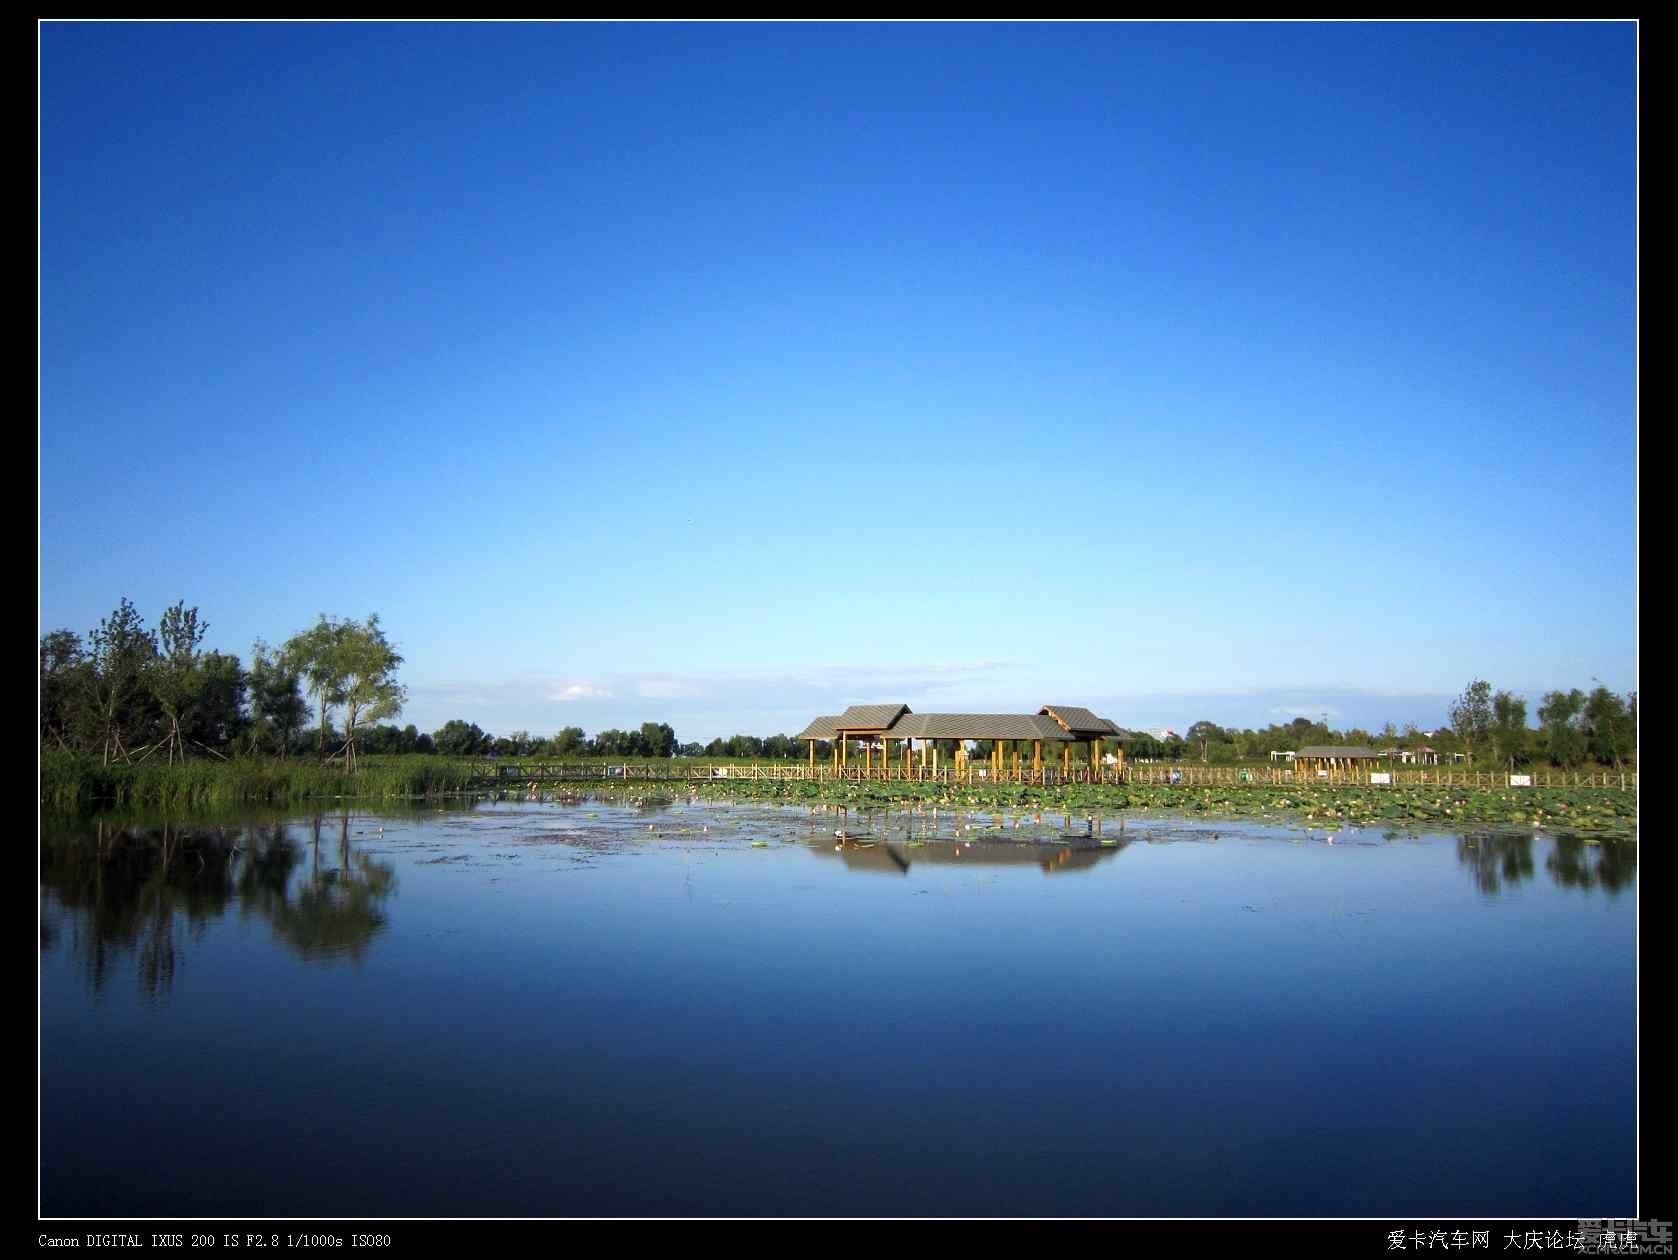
[(894, 858)]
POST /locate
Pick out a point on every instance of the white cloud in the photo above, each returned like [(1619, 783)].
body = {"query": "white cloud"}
[(580, 691)]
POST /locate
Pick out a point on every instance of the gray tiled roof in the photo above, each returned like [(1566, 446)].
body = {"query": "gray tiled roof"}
[(899, 722), (1080, 721), (978, 726), (820, 728), (870, 717)]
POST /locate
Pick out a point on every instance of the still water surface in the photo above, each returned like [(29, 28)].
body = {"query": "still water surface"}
[(680, 1009)]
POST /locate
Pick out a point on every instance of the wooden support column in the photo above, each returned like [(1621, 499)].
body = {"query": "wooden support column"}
[(1037, 760), (1066, 760), (812, 758)]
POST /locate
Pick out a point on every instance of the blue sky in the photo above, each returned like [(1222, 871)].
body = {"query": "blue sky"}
[(724, 374)]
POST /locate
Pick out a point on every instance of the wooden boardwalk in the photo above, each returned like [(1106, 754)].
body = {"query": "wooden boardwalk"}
[(516, 773)]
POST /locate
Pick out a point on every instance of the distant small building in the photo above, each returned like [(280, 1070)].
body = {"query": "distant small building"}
[(1283, 755), (1426, 756)]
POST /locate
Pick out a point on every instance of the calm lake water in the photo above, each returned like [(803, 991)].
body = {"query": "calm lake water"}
[(685, 1009)]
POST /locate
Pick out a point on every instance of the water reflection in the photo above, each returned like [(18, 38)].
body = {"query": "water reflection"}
[(1609, 864), (138, 893), (335, 910), (931, 823), (1499, 860), (896, 859)]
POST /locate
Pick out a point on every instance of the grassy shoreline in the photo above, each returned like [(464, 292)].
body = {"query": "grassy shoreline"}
[(71, 782), (74, 784)]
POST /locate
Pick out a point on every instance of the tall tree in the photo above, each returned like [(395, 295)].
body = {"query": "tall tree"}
[(312, 655), (1471, 715), (1610, 730), (64, 681), (1509, 727), (1559, 717), (218, 719), (349, 665), (458, 738), (365, 664), (1205, 734), (278, 709), (174, 676), (116, 701), (659, 739)]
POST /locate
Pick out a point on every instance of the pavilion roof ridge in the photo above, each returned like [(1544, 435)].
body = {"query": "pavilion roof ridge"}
[(1054, 723)]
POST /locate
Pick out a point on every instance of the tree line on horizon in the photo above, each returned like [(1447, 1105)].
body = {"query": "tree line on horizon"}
[(1574, 728), (126, 693)]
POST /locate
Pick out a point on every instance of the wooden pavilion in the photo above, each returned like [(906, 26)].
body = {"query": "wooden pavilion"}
[(1335, 759), (917, 736)]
